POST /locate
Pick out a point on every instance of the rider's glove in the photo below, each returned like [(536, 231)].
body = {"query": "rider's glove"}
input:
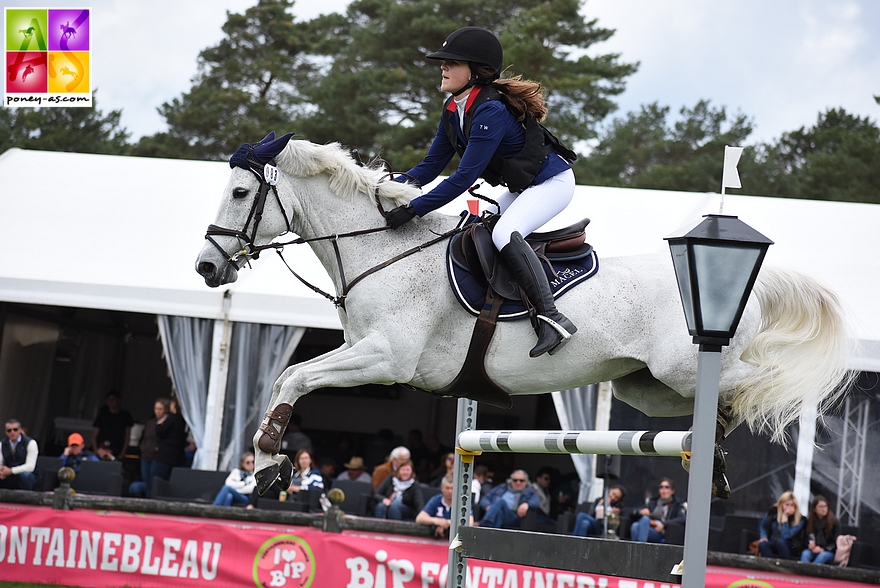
[(400, 215)]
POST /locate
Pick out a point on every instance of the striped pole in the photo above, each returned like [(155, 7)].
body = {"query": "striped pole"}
[(665, 443)]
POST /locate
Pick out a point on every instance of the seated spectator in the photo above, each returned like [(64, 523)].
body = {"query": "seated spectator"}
[(400, 496), (506, 504), (18, 458), (354, 471), (481, 483), (239, 484), (104, 453), (75, 453), (781, 528), (398, 456), (445, 469), (306, 476), (328, 469), (438, 512), (112, 424), (592, 524), (822, 530), (652, 519), (541, 486)]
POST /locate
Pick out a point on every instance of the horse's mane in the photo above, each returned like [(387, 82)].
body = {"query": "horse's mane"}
[(347, 178)]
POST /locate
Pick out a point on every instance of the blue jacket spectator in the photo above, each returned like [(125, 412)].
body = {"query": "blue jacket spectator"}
[(75, 454), (781, 528), (506, 504)]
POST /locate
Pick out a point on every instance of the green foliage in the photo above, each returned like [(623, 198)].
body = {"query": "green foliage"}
[(83, 130), (837, 159), (246, 85), (362, 79), (642, 150), (381, 95)]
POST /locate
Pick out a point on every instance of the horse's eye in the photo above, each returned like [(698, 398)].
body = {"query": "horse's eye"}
[(239, 192)]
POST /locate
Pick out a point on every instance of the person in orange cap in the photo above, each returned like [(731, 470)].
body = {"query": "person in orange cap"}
[(75, 452)]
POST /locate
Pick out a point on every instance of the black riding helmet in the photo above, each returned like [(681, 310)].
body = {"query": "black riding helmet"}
[(474, 45)]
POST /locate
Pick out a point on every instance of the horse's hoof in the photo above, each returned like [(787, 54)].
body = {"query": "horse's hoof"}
[(285, 473), (266, 477), (720, 486)]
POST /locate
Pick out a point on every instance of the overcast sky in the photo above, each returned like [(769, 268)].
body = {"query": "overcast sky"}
[(778, 61)]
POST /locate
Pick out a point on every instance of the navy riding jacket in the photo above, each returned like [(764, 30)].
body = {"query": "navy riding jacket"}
[(493, 129)]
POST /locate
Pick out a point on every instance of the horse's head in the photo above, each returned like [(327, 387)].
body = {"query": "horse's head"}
[(251, 213)]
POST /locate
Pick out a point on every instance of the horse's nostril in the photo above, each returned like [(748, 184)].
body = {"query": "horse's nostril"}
[(206, 268)]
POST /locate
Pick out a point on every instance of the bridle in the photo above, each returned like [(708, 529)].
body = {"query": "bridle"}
[(268, 178)]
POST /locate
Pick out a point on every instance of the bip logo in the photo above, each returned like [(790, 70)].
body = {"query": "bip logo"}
[(48, 58), (284, 561)]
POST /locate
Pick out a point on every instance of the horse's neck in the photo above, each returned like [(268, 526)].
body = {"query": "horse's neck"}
[(328, 215)]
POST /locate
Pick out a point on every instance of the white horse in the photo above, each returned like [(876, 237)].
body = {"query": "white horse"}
[(403, 325)]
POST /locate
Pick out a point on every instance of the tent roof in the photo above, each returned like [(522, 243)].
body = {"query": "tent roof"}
[(122, 233)]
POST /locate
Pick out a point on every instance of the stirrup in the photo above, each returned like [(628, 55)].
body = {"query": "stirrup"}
[(563, 333), (272, 427)]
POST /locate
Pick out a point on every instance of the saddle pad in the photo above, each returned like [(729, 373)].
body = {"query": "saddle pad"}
[(472, 295)]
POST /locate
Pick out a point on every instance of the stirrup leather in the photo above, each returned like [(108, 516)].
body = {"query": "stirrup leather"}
[(272, 427)]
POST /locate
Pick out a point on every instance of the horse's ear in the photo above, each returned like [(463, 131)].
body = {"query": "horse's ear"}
[(267, 138), (267, 150)]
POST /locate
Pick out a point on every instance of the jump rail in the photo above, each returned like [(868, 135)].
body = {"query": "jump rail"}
[(656, 443)]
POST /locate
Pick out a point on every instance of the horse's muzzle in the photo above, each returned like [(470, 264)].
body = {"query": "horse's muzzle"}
[(216, 275)]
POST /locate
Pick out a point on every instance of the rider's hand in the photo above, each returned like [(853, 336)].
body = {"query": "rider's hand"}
[(400, 215)]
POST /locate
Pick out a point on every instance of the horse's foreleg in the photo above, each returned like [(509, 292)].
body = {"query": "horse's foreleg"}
[(365, 362)]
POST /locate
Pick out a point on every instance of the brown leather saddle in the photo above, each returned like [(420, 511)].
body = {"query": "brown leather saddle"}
[(475, 250)]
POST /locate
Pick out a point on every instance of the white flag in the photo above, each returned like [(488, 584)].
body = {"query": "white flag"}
[(730, 177)]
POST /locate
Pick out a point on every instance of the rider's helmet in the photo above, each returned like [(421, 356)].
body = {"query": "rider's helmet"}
[(476, 46)]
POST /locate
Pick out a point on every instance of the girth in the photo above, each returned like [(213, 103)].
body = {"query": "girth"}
[(474, 249)]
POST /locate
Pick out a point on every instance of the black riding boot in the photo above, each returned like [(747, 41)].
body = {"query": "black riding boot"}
[(552, 327)]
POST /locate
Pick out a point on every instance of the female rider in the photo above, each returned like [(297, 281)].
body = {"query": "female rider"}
[(494, 123)]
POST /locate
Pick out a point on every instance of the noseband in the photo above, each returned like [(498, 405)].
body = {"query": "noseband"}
[(268, 178)]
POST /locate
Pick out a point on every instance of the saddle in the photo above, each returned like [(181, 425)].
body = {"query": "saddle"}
[(474, 254), (474, 250)]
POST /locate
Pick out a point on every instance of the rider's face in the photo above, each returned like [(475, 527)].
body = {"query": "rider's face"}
[(455, 75)]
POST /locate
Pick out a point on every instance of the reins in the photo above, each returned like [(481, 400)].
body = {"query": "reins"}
[(268, 178)]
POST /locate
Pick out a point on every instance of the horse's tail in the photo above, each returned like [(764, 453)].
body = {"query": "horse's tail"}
[(800, 353)]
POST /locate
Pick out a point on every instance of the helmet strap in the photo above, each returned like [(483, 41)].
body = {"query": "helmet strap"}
[(468, 85)]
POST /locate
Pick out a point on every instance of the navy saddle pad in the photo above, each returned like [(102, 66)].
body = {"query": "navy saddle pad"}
[(471, 293)]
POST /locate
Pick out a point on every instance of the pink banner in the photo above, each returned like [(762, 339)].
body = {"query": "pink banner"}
[(88, 548)]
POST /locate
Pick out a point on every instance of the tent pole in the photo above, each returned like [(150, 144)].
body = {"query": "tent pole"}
[(217, 386)]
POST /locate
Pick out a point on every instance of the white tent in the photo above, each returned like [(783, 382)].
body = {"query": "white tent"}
[(122, 233)]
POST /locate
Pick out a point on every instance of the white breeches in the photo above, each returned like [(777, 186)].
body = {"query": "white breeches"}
[(530, 210)]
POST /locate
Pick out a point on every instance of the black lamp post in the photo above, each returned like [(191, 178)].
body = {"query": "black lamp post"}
[(716, 263)]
